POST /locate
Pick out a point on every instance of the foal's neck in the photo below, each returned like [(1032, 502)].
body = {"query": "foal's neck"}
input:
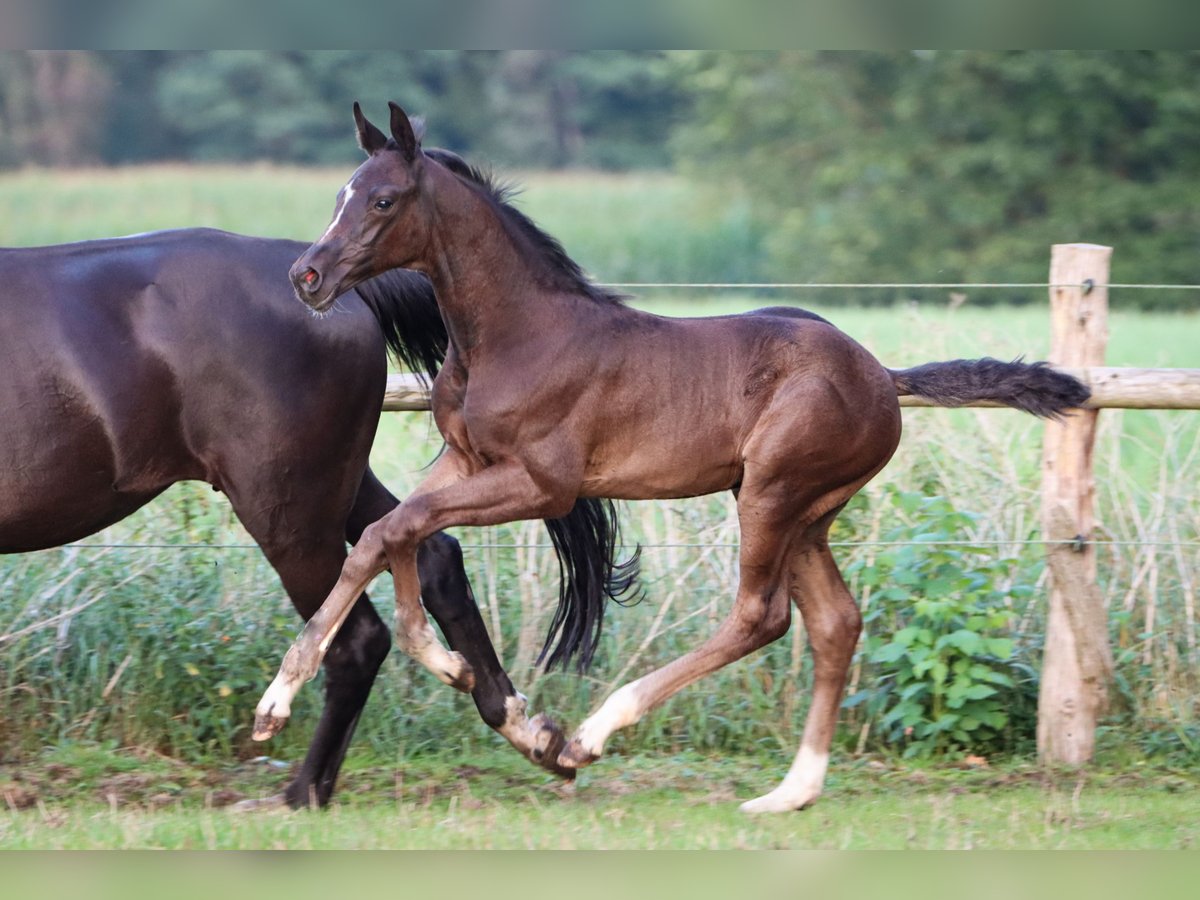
[(485, 278)]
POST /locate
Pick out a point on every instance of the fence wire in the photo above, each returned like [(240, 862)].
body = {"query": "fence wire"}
[(778, 285), (919, 285), (991, 542)]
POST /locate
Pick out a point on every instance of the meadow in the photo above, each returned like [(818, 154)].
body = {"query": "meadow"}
[(180, 623)]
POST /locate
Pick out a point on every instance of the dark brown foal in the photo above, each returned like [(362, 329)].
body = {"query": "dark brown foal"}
[(553, 390)]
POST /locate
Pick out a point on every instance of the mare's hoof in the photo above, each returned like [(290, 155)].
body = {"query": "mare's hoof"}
[(550, 743), (574, 756), (266, 726)]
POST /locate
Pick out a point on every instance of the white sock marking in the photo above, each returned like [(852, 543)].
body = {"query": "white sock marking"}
[(620, 710), (800, 787), (277, 699)]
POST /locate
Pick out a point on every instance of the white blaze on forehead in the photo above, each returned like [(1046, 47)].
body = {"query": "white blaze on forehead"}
[(347, 193)]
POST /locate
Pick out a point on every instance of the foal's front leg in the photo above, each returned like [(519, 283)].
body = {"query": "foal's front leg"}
[(366, 560), (504, 492), (303, 659)]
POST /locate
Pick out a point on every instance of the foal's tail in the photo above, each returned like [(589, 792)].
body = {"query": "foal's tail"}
[(586, 541), (1033, 387)]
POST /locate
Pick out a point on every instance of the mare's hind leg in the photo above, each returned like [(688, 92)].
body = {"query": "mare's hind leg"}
[(833, 622), (761, 614)]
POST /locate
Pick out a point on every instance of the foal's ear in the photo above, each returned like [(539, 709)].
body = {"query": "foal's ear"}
[(403, 134), (370, 138)]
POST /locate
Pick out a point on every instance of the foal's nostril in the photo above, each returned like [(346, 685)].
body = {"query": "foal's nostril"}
[(306, 280)]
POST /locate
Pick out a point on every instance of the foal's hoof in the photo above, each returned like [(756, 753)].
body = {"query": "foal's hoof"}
[(266, 725), (549, 743), (575, 756), (777, 802), (461, 676)]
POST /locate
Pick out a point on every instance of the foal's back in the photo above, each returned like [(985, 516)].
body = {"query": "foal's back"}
[(681, 421)]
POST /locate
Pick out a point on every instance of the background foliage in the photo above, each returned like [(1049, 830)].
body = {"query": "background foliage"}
[(942, 166), (957, 164)]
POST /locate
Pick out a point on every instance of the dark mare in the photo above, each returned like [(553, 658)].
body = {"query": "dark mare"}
[(553, 389), (134, 363)]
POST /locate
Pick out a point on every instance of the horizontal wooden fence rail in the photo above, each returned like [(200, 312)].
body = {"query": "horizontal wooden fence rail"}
[(1112, 388)]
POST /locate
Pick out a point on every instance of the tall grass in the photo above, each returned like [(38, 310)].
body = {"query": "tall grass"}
[(169, 646)]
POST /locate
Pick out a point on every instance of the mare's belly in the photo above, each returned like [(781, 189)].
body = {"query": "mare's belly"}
[(57, 483)]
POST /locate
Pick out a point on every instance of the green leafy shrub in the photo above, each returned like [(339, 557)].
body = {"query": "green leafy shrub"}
[(941, 672)]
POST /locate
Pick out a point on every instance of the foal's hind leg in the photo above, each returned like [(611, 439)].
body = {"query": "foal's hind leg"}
[(832, 621), (761, 614)]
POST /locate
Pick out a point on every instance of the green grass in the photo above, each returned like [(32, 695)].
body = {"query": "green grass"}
[(642, 227), (82, 797)]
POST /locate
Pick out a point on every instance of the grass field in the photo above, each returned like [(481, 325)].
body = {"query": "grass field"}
[(90, 798), (176, 680)]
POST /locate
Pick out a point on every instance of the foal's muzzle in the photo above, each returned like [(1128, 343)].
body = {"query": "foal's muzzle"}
[(309, 284)]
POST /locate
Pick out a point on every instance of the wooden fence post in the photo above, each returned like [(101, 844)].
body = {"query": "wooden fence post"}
[(1077, 665)]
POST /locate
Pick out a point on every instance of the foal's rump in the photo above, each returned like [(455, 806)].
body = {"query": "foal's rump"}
[(1032, 387)]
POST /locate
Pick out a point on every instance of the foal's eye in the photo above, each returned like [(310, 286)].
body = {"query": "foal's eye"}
[(383, 203)]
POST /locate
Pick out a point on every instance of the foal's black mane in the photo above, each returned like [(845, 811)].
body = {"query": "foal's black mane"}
[(564, 273)]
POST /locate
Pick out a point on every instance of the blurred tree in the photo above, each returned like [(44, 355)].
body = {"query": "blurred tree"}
[(237, 104), (53, 106), (957, 166), (544, 108), (605, 108)]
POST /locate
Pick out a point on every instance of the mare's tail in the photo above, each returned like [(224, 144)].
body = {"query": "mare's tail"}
[(586, 541), (1033, 387), (406, 308)]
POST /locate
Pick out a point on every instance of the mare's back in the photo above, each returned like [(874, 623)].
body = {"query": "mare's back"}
[(136, 362), (178, 303)]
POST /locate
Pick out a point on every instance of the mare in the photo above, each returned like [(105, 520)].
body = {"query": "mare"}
[(134, 363), (553, 389)]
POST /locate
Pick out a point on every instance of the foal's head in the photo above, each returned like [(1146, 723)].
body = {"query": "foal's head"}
[(378, 222)]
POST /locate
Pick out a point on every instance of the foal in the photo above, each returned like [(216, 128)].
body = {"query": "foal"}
[(553, 389)]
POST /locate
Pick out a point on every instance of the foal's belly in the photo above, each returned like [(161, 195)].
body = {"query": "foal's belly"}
[(702, 462)]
